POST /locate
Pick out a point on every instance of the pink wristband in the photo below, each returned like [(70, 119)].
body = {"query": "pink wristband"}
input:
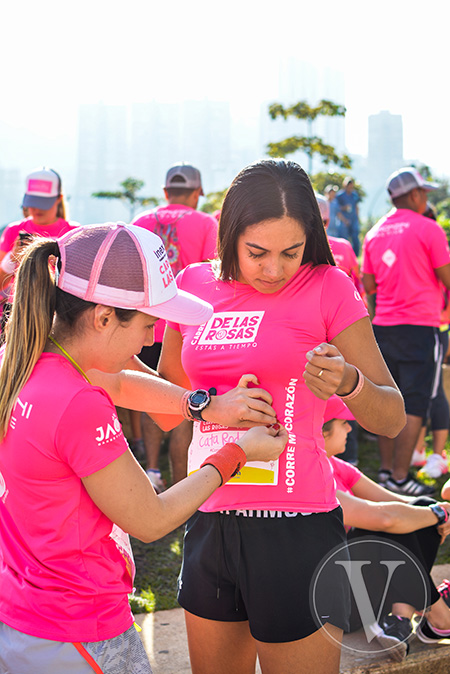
[(227, 461), (358, 388), (184, 406)]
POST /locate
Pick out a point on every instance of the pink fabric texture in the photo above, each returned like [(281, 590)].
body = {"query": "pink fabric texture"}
[(268, 335), (402, 251), (345, 474), (65, 569), (54, 231), (188, 235)]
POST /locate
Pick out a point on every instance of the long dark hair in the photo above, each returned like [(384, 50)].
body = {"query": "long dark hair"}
[(265, 190)]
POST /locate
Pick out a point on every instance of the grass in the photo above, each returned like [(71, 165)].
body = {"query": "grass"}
[(158, 564)]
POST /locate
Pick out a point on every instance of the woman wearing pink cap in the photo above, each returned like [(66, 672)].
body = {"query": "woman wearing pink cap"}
[(283, 311), (70, 489), (47, 216), (380, 523)]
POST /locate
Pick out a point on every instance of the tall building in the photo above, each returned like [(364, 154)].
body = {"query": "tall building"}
[(12, 185), (102, 162), (385, 155)]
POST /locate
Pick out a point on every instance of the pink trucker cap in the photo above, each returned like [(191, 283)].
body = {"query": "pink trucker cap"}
[(125, 266), (42, 188), (336, 409)]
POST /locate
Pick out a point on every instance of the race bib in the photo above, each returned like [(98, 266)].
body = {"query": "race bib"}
[(208, 438)]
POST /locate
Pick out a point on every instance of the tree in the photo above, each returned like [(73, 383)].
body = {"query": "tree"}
[(309, 144), (128, 194), (213, 201)]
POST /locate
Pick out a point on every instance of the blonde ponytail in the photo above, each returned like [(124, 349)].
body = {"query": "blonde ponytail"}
[(29, 323)]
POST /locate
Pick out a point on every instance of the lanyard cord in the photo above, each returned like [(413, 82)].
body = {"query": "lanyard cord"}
[(69, 357)]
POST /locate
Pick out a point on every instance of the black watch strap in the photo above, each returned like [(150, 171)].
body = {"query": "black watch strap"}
[(440, 513)]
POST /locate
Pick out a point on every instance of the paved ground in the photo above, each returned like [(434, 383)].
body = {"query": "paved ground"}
[(164, 637)]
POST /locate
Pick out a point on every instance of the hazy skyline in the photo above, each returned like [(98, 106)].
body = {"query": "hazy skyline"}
[(55, 56)]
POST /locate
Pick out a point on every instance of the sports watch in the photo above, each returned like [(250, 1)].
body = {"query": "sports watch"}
[(198, 401), (440, 513)]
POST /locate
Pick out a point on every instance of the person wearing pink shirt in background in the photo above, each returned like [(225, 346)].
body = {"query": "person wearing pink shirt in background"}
[(418, 525), (71, 492), (189, 236), (283, 310), (406, 258), (47, 210)]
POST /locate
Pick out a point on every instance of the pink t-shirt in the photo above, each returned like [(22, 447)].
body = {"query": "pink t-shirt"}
[(189, 236), (346, 259), (268, 335), (53, 231), (345, 474), (402, 251), (65, 568)]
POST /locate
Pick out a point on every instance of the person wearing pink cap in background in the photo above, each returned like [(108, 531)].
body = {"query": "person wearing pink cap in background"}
[(189, 236), (70, 489), (418, 525), (47, 210)]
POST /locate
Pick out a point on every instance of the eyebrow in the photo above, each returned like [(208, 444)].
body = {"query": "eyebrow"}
[(266, 250)]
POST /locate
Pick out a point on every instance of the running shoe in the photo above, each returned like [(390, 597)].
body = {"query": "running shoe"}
[(408, 487), (394, 636), (383, 475), (156, 479), (435, 466), (419, 458), (444, 590), (430, 635)]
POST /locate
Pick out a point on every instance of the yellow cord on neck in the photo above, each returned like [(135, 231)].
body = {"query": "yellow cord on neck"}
[(69, 357)]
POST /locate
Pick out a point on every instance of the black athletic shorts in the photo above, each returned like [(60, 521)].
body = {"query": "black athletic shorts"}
[(410, 352), (150, 355), (262, 568)]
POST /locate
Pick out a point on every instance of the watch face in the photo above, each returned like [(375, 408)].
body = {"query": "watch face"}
[(198, 398)]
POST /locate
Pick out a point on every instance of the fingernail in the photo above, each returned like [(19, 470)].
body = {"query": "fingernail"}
[(276, 427)]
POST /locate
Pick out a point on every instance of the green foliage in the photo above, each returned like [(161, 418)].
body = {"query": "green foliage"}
[(310, 144), (128, 194), (213, 201)]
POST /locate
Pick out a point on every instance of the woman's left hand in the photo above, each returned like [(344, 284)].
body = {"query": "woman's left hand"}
[(242, 407), (324, 370), (444, 529)]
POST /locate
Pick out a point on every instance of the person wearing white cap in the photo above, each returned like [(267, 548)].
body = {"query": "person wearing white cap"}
[(70, 489), (189, 236), (406, 257), (45, 204)]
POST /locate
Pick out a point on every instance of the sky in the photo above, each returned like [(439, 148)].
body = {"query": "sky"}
[(58, 54)]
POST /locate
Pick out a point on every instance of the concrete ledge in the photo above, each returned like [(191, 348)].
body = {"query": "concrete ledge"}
[(164, 637)]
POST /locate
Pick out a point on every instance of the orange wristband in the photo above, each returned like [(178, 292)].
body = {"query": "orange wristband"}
[(227, 461)]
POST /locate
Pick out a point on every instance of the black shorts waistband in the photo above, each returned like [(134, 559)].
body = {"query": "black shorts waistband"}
[(262, 514)]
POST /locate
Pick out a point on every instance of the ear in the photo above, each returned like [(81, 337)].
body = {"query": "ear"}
[(103, 316)]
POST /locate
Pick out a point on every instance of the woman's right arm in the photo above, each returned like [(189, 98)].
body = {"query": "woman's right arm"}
[(123, 492)]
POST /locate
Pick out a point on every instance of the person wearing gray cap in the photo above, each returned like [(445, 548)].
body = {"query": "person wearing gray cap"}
[(406, 260), (189, 236)]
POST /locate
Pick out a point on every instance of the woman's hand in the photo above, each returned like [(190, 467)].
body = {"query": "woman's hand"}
[(264, 443), (326, 372), (242, 407)]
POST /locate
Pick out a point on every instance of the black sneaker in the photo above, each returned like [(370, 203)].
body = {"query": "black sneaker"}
[(409, 487), (394, 636), (427, 635)]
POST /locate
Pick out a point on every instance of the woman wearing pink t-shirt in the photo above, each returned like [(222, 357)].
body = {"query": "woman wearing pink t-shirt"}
[(70, 489), (283, 311), (47, 210)]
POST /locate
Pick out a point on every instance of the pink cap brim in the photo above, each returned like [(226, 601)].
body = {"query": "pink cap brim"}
[(183, 308), (336, 409)]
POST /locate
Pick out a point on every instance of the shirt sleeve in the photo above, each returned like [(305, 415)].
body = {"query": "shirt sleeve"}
[(8, 237), (345, 474), (89, 435), (341, 302), (438, 246)]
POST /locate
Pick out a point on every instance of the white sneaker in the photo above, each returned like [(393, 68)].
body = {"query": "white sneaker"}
[(157, 481), (435, 466), (419, 458)]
